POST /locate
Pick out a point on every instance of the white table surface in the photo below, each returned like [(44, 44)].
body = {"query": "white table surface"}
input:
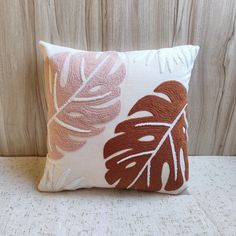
[(208, 207)]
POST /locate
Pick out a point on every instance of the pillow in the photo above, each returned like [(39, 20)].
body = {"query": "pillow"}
[(117, 119)]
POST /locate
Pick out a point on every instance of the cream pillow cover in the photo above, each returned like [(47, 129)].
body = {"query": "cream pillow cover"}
[(117, 119)]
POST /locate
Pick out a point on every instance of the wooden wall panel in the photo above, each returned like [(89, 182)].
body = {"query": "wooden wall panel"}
[(22, 119), (118, 25)]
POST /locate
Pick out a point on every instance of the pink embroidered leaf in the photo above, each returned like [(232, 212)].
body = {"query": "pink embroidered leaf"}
[(83, 93)]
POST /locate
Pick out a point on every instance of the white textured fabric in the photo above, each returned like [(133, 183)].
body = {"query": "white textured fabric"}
[(208, 207), (98, 102)]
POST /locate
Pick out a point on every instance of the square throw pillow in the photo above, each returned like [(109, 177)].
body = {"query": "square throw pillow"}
[(117, 119)]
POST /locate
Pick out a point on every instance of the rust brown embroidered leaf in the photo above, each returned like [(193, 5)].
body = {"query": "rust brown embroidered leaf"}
[(82, 93), (150, 152)]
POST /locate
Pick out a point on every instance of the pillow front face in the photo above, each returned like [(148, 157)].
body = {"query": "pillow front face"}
[(117, 119)]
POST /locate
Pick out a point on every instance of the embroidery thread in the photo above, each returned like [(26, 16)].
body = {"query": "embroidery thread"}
[(148, 148), (83, 92)]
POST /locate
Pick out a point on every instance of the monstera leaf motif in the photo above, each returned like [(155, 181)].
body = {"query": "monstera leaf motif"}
[(150, 152), (82, 94)]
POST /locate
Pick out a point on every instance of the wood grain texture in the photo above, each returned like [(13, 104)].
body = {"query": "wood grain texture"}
[(22, 121), (118, 25)]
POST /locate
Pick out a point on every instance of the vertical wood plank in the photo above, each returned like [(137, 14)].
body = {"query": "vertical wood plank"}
[(137, 24), (22, 121), (211, 24)]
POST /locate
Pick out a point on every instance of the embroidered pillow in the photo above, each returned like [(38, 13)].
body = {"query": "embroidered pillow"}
[(117, 119)]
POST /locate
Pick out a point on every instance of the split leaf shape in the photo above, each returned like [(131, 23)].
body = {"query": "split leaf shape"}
[(82, 94), (150, 152)]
